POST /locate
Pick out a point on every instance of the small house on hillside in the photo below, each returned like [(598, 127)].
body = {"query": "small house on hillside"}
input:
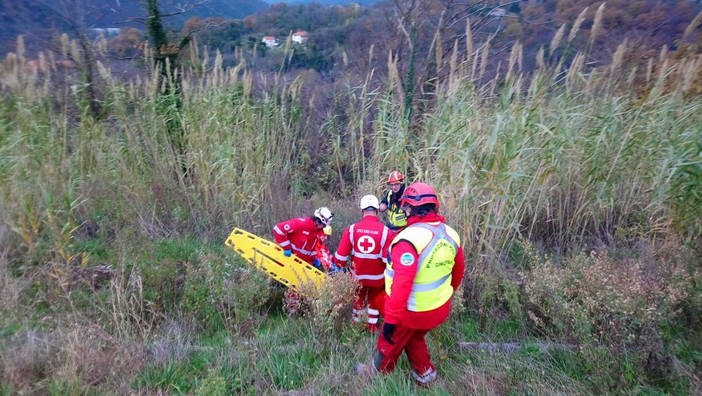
[(300, 37), (270, 41), (498, 12)]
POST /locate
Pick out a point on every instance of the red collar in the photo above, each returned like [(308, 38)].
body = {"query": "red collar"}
[(429, 218)]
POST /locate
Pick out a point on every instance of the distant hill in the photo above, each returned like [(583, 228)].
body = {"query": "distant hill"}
[(327, 2), (38, 20)]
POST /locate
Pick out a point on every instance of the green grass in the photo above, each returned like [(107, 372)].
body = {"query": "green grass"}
[(577, 201)]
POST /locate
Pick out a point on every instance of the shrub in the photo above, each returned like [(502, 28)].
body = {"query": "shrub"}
[(618, 306), (331, 306), (218, 294)]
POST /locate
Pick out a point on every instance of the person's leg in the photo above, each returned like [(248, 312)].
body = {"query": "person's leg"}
[(424, 371), (387, 354), (373, 311), (359, 304)]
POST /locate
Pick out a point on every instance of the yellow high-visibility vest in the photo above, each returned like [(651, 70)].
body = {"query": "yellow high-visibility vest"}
[(396, 216), (436, 245)]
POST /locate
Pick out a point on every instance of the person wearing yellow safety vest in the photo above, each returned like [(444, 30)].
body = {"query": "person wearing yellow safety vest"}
[(426, 265), (391, 201)]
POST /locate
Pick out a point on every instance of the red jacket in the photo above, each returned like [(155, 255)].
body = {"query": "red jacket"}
[(299, 235), (366, 242), (395, 309)]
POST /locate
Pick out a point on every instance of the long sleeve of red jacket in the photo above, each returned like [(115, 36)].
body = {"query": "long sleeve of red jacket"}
[(283, 229), (341, 257), (459, 269)]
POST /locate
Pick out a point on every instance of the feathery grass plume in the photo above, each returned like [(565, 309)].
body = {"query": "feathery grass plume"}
[(556, 40), (649, 70), (101, 45), (65, 45), (618, 58), (485, 53), (631, 79), (454, 73), (663, 54), (20, 50), (575, 69), (515, 58), (469, 49), (576, 25), (395, 80), (692, 26), (438, 50), (689, 70), (218, 69), (663, 72), (596, 25), (11, 72), (540, 63)]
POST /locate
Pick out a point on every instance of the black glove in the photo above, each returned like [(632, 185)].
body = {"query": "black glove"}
[(388, 330)]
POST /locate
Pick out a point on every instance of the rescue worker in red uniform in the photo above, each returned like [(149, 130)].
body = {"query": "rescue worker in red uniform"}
[(391, 201), (365, 242), (301, 235), (425, 267)]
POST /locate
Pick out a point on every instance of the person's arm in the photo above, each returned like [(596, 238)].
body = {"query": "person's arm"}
[(405, 260), (385, 248), (459, 268), (281, 232), (341, 256), (384, 203)]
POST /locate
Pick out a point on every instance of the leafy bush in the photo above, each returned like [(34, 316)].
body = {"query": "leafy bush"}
[(330, 306), (614, 307), (220, 295)]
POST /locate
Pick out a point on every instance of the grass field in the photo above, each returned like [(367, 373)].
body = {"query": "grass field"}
[(576, 190)]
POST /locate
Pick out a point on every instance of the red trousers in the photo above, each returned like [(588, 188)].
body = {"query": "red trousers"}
[(410, 341), (368, 295)]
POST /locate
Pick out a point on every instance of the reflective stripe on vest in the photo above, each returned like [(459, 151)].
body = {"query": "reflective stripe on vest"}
[(303, 251), (432, 283), (396, 216)]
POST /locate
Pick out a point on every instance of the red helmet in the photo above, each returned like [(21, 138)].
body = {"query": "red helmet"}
[(417, 194), (395, 177)]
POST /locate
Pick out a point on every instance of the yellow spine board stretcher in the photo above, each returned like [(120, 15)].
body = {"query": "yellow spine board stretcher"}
[(268, 256)]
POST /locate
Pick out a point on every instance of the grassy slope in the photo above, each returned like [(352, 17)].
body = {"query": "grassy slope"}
[(533, 173)]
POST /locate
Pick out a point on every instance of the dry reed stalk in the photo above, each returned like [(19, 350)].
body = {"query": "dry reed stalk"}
[(576, 25), (692, 26), (618, 58), (556, 40), (484, 58), (453, 70), (597, 24), (540, 63), (439, 50), (395, 80), (689, 70), (469, 44), (575, 69), (663, 73), (515, 58), (649, 70)]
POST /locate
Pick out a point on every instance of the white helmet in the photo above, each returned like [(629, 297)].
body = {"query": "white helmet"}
[(324, 215), (369, 201)]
